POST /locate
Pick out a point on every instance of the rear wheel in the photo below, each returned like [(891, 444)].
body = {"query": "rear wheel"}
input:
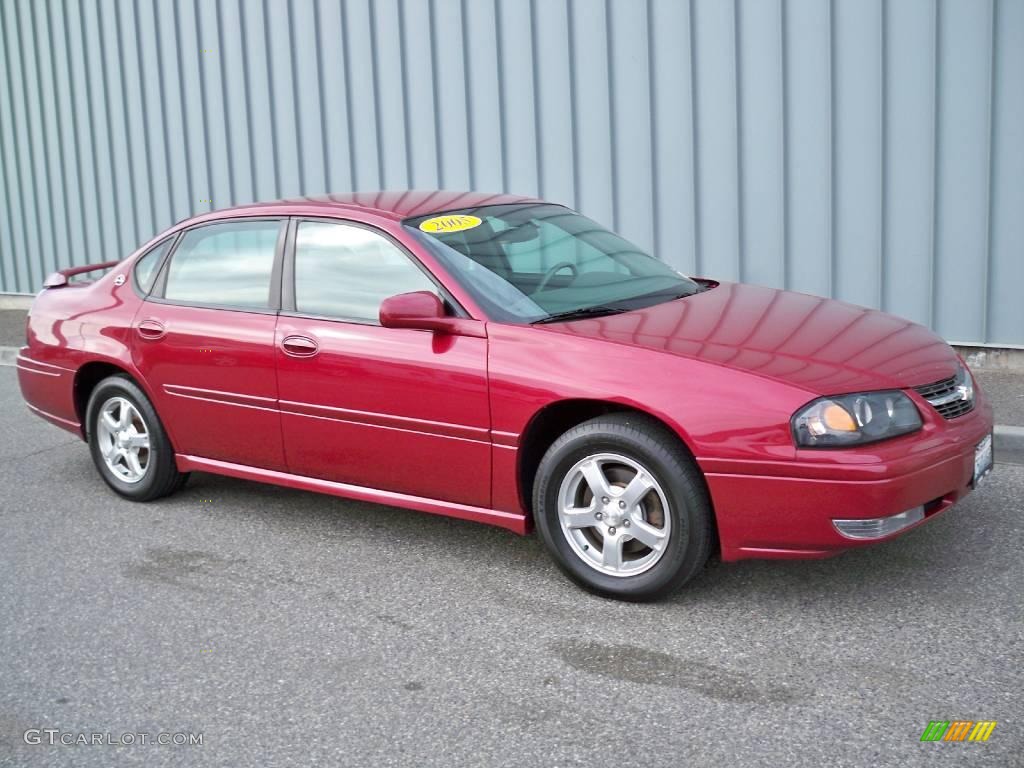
[(128, 443), (622, 508)]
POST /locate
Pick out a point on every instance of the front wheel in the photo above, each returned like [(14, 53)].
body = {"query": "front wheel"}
[(622, 507), (128, 442)]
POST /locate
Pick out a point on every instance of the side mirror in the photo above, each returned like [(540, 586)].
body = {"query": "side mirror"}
[(421, 310)]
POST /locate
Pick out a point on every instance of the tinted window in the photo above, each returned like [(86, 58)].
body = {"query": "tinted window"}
[(346, 272), (536, 261), (224, 264), (146, 266)]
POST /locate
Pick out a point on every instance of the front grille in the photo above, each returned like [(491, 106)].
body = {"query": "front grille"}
[(942, 397), (954, 409), (939, 389)]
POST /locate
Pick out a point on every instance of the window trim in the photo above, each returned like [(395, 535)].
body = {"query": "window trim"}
[(288, 307), (171, 241), (156, 295)]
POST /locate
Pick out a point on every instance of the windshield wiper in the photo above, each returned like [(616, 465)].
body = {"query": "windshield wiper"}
[(671, 294), (576, 314)]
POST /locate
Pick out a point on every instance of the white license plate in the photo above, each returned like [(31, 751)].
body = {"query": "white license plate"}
[(982, 459)]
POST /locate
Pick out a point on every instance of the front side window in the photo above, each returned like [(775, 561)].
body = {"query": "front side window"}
[(538, 262), (346, 272), (226, 265), (147, 263)]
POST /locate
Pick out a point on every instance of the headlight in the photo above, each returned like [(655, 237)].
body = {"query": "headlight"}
[(965, 384), (856, 419)]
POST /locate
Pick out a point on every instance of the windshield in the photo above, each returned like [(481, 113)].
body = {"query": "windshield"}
[(539, 262)]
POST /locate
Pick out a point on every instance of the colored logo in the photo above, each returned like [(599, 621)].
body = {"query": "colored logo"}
[(958, 730), (452, 222)]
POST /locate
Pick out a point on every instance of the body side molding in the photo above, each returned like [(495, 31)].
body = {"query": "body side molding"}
[(510, 520)]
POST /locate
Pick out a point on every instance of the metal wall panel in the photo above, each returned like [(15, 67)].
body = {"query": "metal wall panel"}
[(870, 150)]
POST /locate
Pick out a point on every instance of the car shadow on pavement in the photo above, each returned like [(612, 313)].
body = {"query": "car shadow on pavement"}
[(927, 558)]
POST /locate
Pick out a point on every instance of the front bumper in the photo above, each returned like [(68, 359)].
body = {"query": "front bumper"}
[(788, 512)]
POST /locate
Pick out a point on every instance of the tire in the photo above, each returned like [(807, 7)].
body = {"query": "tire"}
[(120, 421), (653, 490)]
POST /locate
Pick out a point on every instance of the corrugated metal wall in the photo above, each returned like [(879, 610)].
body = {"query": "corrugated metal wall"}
[(868, 150)]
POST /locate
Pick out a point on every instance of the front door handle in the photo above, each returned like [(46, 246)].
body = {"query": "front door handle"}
[(299, 346), (151, 330)]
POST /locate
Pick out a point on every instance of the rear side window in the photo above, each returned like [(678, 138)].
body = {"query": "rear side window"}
[(146, 266), (226, 265), (346, 272)]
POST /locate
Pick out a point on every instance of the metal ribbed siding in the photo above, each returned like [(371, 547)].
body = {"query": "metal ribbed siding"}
[(868, 150)]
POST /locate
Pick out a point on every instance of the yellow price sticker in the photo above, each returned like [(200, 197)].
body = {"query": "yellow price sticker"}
[(452, 222)]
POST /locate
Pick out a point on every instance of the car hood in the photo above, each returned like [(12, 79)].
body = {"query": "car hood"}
[(821, 345)]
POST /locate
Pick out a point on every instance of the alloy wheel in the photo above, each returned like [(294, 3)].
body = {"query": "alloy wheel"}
[(614, 514), (123, 440)]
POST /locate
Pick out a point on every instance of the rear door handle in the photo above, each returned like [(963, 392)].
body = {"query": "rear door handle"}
[(151, 330), (299, 346)]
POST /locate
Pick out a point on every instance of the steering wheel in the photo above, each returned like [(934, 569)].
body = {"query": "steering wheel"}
[(555, 270)]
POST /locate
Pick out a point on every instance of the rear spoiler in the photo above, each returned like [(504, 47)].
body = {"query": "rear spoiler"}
[(60, 277)]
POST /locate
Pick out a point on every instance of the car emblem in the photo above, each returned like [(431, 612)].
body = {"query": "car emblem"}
[(119, 280)]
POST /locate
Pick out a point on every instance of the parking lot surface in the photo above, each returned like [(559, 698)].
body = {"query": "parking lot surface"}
[(295, 629)]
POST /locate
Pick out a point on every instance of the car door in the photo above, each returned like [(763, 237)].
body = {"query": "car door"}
[(392, 409), (204, 341)]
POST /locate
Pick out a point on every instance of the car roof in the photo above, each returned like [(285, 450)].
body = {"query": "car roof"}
[(393, 204)]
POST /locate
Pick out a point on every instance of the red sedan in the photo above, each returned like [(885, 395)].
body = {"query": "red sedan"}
[(507, 360)]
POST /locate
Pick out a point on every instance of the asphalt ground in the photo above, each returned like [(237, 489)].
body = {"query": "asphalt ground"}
[(290, 628)]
